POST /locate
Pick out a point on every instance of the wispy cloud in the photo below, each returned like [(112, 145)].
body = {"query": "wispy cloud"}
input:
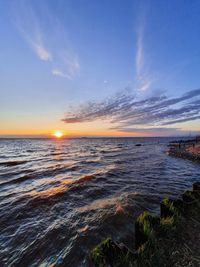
[(38, 46), (139, 50), (35, 30), (42, 52), (73, 66), (155, 131), (143, 78), (147, 130), (58, 72), (127, 113), (145, 84), (100, 110), (28, 24)]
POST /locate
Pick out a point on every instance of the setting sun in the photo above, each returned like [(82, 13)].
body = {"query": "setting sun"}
[(58, 134)]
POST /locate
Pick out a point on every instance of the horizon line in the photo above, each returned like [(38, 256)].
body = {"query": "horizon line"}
[(82, 137)]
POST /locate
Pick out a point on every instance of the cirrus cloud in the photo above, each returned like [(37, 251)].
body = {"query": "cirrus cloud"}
[(127, 113), (34, 29)]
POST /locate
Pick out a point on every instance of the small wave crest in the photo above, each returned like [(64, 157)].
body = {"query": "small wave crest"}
[(12, 163)]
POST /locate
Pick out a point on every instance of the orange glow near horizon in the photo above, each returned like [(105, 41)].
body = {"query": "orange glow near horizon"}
[(43, 127), (58, 134)]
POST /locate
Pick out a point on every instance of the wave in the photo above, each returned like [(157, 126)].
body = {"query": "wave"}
[(50, 195), (85, 178), (13, 163), (41, 174), (16, 180), (64, 208)]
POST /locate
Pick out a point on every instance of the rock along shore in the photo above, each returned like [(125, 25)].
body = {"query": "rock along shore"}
[(173, 239), (186, 149)]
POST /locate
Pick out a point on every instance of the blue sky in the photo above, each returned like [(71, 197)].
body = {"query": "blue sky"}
[(60, 59)]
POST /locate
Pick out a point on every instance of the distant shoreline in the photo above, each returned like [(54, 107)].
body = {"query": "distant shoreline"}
[(186, 149)]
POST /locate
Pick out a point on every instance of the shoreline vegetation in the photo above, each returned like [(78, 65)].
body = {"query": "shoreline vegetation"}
[(172, 239)]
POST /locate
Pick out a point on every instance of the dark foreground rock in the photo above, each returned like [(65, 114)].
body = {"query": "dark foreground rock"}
[(173, 239)]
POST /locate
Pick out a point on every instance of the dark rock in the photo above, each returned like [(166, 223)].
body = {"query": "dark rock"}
[(178, 205), (144, 227), (140, 236), (188, 197), (138, 144), (150, 232), (166, 209), (109, 253), (196, 186)]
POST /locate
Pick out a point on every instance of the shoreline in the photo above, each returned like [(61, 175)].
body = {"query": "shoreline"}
[(186, 149), (124, 181), (168, 240)]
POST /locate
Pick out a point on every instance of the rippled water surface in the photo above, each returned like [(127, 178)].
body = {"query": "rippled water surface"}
[(60, 198)]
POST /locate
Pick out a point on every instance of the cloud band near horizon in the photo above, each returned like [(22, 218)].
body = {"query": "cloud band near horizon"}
[(126, 112)]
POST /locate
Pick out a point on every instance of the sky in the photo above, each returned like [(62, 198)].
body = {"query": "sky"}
[(99, 68)]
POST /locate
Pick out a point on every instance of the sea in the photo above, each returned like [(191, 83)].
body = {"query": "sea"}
[(60, 198)]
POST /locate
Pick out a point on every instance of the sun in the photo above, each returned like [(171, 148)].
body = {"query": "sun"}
[(58, 134)]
